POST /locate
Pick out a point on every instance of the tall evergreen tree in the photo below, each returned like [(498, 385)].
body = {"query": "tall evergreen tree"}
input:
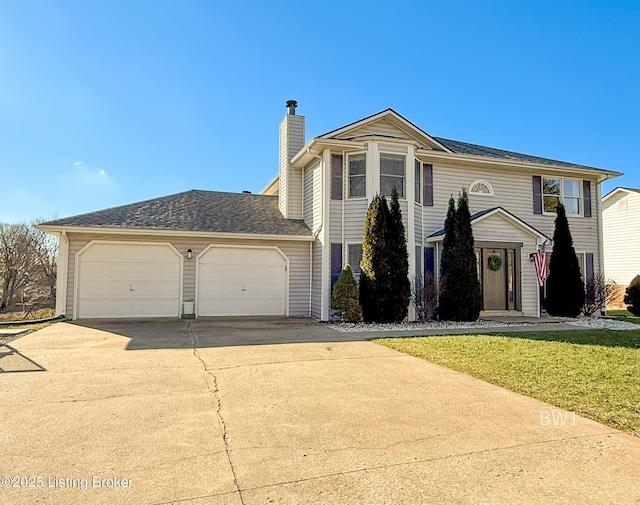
[(469, 295), (448, 266), (460, 294), (373, 266), (565, 290), (398, 260)]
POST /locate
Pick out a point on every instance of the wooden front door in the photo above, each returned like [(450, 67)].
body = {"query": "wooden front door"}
[(495, 294), (498, 273)]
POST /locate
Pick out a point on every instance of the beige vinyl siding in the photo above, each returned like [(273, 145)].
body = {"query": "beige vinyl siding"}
[(284, 163), (381, 127), (312, 195), (621, 237), (316, 281), (417, 222), (496, 229), (513, 192), (393, 148), (297, 252)]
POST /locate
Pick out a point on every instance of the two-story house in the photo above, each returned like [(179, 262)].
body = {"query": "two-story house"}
[(207, 253)]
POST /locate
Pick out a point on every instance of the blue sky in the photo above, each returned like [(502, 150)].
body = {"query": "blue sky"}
[(109, 102)]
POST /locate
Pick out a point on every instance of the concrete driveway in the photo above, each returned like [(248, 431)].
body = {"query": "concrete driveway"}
[(280, 411)]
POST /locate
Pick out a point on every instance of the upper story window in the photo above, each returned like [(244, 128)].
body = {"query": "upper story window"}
[(565, 191), (392, 174), (357, 175), (417, 180), (480, 187)]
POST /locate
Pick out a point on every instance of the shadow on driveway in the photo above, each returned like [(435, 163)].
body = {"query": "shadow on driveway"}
[(12, 360), (167, 333)]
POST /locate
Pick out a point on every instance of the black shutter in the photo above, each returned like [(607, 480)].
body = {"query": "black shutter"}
[(336, 176), (336, 262), (586, 191), (429, 261), (588, 274), (537, 194), (427, 185)]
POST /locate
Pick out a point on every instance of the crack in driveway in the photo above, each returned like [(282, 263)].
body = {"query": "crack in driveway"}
[(217, 401)]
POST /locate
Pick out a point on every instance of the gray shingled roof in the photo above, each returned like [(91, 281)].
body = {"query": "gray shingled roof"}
[(195, 210), (490, 152)]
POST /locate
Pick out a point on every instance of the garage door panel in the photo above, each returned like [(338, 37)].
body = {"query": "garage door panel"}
[(241, 281), (129, 280)]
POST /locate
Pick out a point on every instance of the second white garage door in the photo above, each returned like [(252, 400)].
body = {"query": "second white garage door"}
[(239, 281)]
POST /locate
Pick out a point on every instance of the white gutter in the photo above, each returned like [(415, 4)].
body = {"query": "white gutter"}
[(173, 233), (62, 273)]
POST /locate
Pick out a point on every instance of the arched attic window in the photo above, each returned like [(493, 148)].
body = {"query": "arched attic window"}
[(480, 187)]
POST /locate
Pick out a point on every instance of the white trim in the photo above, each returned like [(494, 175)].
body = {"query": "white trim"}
[(507, 217), (599, 201), (62, 274), (325, 289), (615, 191), (174, 233), (562, 181), (481, 181), (382, 152), (397, 120), (345, 157), (91, 243), (231, 246)]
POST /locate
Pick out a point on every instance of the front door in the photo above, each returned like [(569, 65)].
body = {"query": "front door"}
[(498, 274)]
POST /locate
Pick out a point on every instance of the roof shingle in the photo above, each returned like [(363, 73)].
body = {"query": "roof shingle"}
[(195, 210)]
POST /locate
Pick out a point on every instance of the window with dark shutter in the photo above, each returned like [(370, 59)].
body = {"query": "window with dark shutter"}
[(336, 262), (588, 273), (586, 191), (427, 185), (429, 261), (336, 176), (537, 194)]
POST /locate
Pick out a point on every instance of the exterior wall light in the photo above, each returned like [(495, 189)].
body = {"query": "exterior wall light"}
[(189, 254)]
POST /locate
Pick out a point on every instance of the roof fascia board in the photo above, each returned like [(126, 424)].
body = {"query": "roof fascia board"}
[(270, 183), (418, 134), (316, 145), (507, 216), (175, 233), (615, 191), (602, 175)]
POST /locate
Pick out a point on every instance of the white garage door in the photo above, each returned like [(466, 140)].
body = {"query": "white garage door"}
[(241, 282), (129, 280)]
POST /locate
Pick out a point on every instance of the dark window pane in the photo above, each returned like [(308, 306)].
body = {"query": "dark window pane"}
[(392, 164), (355, 256), (388, 182), (357, 186), (551, 203), (336, 262), (551, 186), (336, 176)]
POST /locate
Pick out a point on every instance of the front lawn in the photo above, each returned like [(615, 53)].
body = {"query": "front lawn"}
[(623, 315), (595, 373)]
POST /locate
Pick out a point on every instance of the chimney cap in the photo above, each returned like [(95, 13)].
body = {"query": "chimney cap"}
[(291, 106)]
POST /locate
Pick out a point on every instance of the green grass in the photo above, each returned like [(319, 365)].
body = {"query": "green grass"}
[(595, 373), (623, 315)]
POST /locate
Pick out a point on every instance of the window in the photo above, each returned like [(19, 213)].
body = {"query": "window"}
[(357, 175), (418, 265), (556, 190), (417, 184), (480, 187), (355, 256), (336, 176), (391, 174)]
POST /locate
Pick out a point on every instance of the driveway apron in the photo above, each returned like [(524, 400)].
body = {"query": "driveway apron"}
[(281, 411)]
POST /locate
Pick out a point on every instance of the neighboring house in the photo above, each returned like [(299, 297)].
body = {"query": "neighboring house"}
[(207, 253), (621, 237)]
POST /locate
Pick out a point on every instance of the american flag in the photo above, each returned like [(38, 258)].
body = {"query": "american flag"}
[(540, 262)]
